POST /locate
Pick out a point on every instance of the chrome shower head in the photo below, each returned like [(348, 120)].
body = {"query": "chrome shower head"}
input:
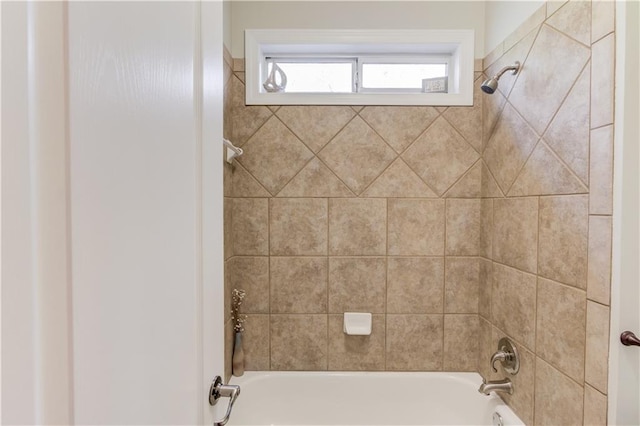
[(491, 84)]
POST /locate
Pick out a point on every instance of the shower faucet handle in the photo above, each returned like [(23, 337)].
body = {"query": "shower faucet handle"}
[(507, 354), (219, 390)]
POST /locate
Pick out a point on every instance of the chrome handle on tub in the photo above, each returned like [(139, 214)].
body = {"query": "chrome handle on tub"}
[(627, 338), (219, 390)]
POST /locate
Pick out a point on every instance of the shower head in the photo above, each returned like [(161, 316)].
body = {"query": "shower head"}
[(491, 84)]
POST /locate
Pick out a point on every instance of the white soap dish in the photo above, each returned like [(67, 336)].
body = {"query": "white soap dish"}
[(357, 323)]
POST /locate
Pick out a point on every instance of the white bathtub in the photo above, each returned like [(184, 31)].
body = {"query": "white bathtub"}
[(354, 398)]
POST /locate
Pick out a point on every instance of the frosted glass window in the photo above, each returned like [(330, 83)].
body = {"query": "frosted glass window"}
[(399, 76), (318, 77)]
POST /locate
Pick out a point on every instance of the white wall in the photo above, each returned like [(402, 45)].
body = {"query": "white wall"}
[(356, 15), (503, 17), (226, 24)]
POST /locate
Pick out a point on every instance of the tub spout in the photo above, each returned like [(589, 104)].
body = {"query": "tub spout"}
[(496, 386)]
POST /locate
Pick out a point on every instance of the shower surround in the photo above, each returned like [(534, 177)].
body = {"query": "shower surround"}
[(339, 209), (453, 226)]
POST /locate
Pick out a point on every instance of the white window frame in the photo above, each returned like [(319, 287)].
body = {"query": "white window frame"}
[(456, 45)]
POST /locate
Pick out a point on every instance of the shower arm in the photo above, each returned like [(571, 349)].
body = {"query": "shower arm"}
[(513, 68)]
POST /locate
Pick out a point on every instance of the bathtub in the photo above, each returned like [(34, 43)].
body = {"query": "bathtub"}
[(366, 398)]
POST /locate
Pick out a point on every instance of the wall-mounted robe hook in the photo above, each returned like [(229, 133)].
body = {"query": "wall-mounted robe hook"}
[(232, 150)]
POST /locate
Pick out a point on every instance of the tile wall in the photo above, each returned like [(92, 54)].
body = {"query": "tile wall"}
[(337, 209), (453, 226), (546, 233)]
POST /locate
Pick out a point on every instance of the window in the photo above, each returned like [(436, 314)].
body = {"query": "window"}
[(359, 67)]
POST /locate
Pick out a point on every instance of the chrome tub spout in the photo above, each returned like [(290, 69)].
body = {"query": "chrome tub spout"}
[(496, 386)]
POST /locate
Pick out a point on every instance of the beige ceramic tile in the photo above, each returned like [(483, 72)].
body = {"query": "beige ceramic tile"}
[(601, 171), (463, 227), (595, 407), (489, 187), (245, 120), (469, 185), (531, 23), (536, 96), (399, 125), (357, 226), (485, 284), (477, 65), (228, 348), (597, 354), (416, 227), (243, 184), (602, 81), (559, 400), (522, 400), (486, 228), (509, 147), (315, 125), (486, 348), (461, 286), (399, 181), (460, 342), (514, 303), (440, 156), (298, 285), (357, 155), (467, 120), (227, 180), (492, 107), (554, 5), (544, 174), (250, 226), (515, 232), (574, 19), (251, 274), (298, 226), (518, 52), (349, 353), (238, 64), (414, 342), (256, 343), (242, 77), (599, 269), (602, 18), (568, 134), (228, 227), (227, 289), (274, 155), (357, 284), (299, 342), (315, 180), (560, 337), (562, 249), (492, 56), (415, 285)]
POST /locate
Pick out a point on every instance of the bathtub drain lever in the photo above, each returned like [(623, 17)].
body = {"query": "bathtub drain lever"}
[(219, 390)]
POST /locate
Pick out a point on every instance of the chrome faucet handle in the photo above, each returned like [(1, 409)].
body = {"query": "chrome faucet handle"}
[(498, 356), (219, 390), (507, 354)]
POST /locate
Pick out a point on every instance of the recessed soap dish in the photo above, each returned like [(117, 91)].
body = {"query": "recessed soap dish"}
[(357, 323)]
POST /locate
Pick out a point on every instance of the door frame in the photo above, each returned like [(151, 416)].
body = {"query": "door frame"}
[(211, 76), (624, 388)]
